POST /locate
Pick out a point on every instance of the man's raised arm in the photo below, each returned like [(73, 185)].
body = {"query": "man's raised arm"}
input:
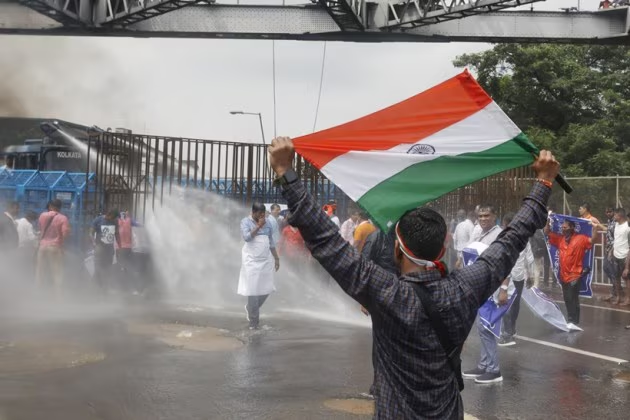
[(358, 277), (494, 265)]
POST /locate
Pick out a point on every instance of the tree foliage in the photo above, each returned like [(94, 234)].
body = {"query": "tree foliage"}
[(574, 100)]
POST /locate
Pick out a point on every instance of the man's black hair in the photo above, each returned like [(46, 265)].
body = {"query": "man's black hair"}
[(256, 207), (489, 207), (586, 206), (423, 231), (610, 208), (55, 204), (621, 211), (363, 215), (275, 206)]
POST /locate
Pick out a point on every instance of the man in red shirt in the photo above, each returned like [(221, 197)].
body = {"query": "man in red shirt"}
[(571, 249), (293, 245)]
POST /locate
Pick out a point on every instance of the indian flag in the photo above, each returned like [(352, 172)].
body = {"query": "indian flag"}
[(418, 150)]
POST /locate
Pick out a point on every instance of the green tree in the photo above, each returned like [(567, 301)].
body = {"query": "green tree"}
[(572, 99)]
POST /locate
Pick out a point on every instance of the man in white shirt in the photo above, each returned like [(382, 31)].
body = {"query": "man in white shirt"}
[(273, 218), (621, 246), (477, 228), (488, 369), (463, 234), (8, 229), (348, 227), (488, 229), (26, 231), (331, 210), (523, 269), (27, 244)]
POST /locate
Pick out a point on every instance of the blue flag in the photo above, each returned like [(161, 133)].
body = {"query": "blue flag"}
[(490, 314), (582, 227)]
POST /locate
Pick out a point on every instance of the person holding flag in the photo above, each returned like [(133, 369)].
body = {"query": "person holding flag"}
[(416, 347), (571, 249)]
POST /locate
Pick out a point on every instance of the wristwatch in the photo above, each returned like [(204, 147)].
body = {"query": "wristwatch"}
[(503, 287), (289, 177)]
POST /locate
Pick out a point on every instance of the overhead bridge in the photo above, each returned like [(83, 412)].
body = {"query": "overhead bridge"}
[(318, 20)]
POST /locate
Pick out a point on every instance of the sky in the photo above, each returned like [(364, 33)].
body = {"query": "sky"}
[(186, 87)]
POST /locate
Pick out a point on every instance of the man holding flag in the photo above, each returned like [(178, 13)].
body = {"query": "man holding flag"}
[(415, 375), (571, 249)]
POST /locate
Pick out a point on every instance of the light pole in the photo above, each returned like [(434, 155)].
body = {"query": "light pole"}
[(262, 131)]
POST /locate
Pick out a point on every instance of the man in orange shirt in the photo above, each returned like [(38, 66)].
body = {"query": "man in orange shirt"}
[(363, 230), (571, 249)]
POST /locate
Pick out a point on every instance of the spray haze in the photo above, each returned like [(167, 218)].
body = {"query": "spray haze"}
[(196, 243)]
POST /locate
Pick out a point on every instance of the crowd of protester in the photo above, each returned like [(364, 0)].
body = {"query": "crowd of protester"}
[(39, 246)]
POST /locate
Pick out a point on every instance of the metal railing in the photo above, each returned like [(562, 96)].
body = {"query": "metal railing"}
[(136, 172)]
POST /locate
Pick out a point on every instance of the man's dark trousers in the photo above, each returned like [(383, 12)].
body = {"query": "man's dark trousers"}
[(571, 293)]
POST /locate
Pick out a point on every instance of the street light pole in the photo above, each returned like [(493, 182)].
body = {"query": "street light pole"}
[(262, 130)]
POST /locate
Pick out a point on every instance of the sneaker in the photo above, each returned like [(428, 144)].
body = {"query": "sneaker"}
[(489, 378), (246, 313), (366, 395), (473, 373), (506, 341)]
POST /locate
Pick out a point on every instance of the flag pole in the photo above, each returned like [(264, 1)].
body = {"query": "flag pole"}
[(564, 184)]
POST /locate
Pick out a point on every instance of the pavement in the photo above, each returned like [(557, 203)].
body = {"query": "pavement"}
[(129, 359)]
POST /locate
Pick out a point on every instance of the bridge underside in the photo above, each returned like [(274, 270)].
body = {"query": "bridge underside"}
[(315, 22)]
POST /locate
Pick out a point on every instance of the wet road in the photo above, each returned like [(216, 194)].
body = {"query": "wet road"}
[(53, 366)]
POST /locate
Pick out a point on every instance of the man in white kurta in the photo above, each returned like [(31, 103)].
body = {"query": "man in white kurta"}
[(259, 261)]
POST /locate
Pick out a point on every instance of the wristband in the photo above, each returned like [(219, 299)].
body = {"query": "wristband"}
[(545, 182), (504, 287)]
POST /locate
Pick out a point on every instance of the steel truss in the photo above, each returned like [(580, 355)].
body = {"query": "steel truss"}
[(128, 12), (317, 21), (416, 13), (347, 15), (66, 12)]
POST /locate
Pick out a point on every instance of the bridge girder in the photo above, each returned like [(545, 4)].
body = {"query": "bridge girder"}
[(414, 13), (314, 22)]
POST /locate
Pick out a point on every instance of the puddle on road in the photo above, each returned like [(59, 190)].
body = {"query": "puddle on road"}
[(361, 407), (188, 337), (33, 356), (351, 405)]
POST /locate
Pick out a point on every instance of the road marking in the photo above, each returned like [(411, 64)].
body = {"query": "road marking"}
[(571, 349), (599, 307), (608, 309)]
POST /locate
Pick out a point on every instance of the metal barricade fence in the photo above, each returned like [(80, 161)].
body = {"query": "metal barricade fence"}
[(136, 172)]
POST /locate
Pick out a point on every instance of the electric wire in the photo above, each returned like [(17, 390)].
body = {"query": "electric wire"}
[(321, 84)]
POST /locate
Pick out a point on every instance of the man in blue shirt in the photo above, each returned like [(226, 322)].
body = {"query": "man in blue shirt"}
[(257, 267)]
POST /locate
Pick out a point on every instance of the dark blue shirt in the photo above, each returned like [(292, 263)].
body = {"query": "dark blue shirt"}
[(106, 232)]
